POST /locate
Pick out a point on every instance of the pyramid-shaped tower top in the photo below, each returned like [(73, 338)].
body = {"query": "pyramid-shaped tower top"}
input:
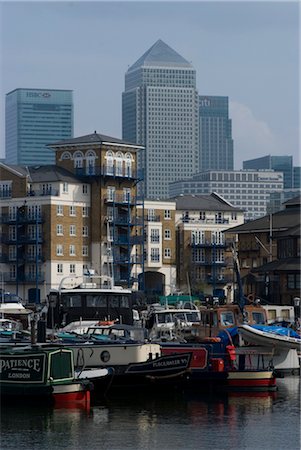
[(160, 54)]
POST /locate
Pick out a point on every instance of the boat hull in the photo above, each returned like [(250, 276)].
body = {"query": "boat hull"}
[(255, 336)]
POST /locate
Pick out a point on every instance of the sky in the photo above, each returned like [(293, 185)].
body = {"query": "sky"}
[(248, 51)]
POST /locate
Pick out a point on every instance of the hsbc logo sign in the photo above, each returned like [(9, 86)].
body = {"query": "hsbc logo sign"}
[(38, 94)]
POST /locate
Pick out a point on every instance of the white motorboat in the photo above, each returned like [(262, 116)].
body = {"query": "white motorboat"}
[(270, 336)]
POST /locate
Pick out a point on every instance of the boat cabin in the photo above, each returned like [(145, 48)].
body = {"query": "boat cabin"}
[(217, 318)]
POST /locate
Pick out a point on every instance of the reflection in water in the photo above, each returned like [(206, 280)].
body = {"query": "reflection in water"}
[(175, 421)]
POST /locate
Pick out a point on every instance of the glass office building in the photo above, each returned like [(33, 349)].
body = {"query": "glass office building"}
[(160, 112), (280, 163), (216, 143), (33, 119)]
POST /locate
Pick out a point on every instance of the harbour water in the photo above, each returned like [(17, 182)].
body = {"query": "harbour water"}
[(173, 421)]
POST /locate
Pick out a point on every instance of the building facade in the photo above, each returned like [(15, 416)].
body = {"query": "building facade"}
[(33, 118), (278, 163), (204, 248), (216, 143), (247, 190), (60, 220), (269, 255), (160, 112), (159, 247)]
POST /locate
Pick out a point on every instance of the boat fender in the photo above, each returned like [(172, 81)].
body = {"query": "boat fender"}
[(231, 352)]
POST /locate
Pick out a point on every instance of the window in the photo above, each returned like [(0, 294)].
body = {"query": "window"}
[(110, 164), (72, 230), (85, 189), (128, 165), (59, 210), (126, 195), (85, 231), (167, 214), (12, 252), (72, 250), (111, 193), (151, 215), (12, 271), (85, 211), (167, 253), (85, 250), (12, 233), (155, 236), (167, 234), (78, 160), (59, 250), (155, 255), (72, 210), (59, 268), (119, 165), (59, 230), (72, 268), (65, 188), (293, 281)]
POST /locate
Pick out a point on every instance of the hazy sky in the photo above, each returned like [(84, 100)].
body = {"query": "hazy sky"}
[(245, 50)]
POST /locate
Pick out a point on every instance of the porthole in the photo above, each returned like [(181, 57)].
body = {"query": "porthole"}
[(105, 356)]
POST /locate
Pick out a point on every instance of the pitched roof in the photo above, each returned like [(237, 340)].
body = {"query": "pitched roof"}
[(49, 173), (208, 202), (282, 265), (281, 220), (93, 138), (160, 54)]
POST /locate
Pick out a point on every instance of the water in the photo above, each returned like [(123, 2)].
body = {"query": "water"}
[(174, 421)]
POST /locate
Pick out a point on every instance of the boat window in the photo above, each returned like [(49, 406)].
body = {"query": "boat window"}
[(179, 316), (114, 301), (124, 302), (96, 301), (227, 319), (164, 318), (258, 317), (61, 365), (72, 301), (192, 317)]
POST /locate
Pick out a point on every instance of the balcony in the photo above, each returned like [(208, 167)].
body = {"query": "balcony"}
[(192, 220), (209, 262), (109, 172), (120, 199), (208, 243), (219, 279), (23, 278), (128, 240), (43, 192), (152, 219), (21, 219)]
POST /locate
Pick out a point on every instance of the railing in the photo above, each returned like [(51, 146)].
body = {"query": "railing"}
[(22, 218), (106, 171), (122, 200), (152, 218), (187, 219), (209, 262), (43, 192), (219, 279), (6, 194), (208, 243), (23, 278)]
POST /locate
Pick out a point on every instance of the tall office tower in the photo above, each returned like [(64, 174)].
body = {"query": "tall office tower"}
[(296, 177), (160, 112), (279, 163), (33, 119), (216, 144)]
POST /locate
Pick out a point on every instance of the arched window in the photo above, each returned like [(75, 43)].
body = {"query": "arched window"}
[(128, 165), (78, 158), (119, 164), (110, 163), (90, 162), (66, 155)]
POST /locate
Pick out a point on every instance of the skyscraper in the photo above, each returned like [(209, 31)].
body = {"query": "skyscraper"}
[(160, 112), (280, 163), (33, 119), (216, 144)]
